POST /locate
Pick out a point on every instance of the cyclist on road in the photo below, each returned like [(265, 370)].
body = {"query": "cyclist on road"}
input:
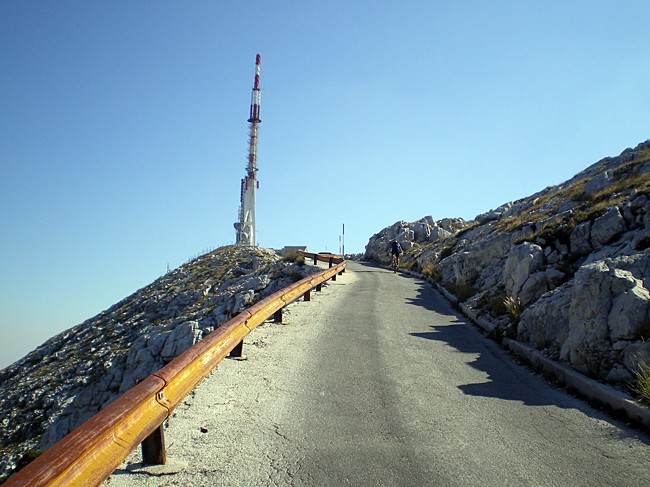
[(395, 250)]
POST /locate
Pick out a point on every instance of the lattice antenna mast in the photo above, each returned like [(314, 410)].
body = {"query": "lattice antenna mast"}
[(246, 230)]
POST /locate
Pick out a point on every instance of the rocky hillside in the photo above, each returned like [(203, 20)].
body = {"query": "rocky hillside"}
[(78, 372), (566, 270)]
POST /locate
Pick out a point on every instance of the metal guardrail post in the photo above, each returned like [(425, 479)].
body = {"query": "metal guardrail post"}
[(307, 296), (277, 317), (153, 448), (237, 352)]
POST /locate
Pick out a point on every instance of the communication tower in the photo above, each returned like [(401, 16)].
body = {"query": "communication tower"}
[(245, 226)]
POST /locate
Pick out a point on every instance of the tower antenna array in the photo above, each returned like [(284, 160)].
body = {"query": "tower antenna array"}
[(245, 227)]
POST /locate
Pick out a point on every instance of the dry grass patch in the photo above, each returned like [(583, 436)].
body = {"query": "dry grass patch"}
[(640, 386)]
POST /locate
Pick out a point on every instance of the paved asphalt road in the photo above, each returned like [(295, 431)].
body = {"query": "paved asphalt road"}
[(378, 381)]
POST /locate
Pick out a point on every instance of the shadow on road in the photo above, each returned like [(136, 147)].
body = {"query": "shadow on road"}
[(508, 380), (505, 379), (368, 267), (428, 298)]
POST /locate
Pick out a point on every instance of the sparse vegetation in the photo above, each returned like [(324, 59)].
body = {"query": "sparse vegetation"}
[(590, 206), (430, 269), (296, 257), (640, 386), (534, 213), (407, 264), (513, 307), (576, 192), (497, 307), (461, 290), (554, 229), (448, 248), (469, 226)]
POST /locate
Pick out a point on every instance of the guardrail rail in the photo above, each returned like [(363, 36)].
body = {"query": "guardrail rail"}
[(90, 453), (332, 259)]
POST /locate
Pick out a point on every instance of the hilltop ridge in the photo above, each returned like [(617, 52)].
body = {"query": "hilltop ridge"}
[(566, 270), (73, 375)]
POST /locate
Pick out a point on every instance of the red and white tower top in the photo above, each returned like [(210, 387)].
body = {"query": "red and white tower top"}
[(256, 95)]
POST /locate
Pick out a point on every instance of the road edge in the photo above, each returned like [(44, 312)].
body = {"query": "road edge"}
[(616, 401)]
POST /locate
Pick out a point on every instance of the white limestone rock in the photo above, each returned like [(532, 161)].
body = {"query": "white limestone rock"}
[(523, 270), (410, 235), (437, 232), (479, 263), (629, 317), (494, 214), (422, 231), (546, 322), (598, 183), (581, 239), (607, 227), (183, 337), (635, 354), (608, 304)]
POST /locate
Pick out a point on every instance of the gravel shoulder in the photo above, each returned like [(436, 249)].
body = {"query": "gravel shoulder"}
[(205, 436)]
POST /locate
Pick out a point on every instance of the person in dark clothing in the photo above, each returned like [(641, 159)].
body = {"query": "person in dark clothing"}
[(395, 249)]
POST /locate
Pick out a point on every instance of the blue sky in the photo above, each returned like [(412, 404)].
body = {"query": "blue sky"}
[(123, 132)]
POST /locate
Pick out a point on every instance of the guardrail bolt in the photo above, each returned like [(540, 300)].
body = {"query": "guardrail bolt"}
[(308, 296), (153, 448)]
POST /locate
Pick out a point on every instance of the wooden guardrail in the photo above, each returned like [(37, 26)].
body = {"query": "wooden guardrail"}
[(90, 453), (323, 257)]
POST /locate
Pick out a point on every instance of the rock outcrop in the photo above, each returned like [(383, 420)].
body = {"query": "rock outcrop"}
[(410, 235), (572, 263), (75, 374)]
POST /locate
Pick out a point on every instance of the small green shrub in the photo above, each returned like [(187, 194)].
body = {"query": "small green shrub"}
[(641, 383)]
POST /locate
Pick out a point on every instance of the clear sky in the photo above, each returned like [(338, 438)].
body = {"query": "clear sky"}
[(123, 133)]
